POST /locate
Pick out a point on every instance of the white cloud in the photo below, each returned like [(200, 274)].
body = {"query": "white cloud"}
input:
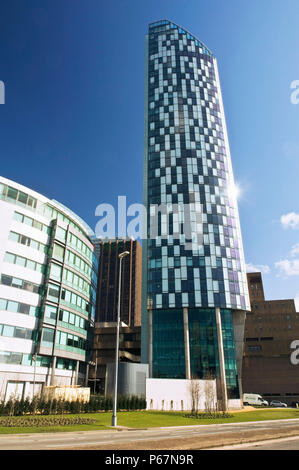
[(291, 149), (287, 267), (290, 267), (263, 268), (295, 250), (290, 220)]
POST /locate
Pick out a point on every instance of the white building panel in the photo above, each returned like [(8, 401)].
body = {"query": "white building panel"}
[(18, 319), (6, 216), (21, 273), (19, 295), (28, 231), (20, 345), (25, 251)]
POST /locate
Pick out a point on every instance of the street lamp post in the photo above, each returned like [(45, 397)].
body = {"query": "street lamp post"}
[(90, 363), (114, 418), (95, 373)]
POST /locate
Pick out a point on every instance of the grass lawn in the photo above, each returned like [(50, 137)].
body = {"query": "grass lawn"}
[(147, 419)]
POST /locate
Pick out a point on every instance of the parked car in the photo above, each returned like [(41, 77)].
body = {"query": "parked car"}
[(254, 399), (278, 404)]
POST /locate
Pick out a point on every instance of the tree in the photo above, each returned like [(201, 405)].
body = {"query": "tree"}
[(195, 392), (210, 395)]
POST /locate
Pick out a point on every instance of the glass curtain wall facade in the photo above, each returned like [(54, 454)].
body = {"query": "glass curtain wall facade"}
[(187, 163), (48, 278)]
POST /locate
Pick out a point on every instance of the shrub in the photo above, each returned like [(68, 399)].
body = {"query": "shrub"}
[(214, 415), (40, 406), (44, 421)]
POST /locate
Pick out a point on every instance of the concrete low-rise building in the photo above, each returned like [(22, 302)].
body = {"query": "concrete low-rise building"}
[(131, 379), (104, 342)]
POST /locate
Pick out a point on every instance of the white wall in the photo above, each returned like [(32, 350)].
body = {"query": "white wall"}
[(11, 375), (11, 293), (6, 217), (234, 404), (16, 378), (173, 394)]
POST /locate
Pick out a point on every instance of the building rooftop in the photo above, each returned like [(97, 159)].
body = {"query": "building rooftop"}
[(198, 42)]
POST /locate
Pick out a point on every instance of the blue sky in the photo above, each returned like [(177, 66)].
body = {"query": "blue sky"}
[(72, 125)]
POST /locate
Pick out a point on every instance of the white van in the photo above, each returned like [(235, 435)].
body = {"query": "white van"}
[(254, 399)]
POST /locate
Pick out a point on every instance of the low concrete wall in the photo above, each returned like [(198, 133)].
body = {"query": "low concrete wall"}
[(175, 394), (234, 404), (17, 380), (67, 393)]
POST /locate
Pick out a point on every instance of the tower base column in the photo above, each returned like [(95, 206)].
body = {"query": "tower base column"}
[(186, 344), (150, 341), (221, 359)]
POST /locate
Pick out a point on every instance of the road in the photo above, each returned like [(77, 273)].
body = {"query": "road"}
[(288, 443), (183, 437)]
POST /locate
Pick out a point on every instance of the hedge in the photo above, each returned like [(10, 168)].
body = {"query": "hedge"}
[(38, 405)]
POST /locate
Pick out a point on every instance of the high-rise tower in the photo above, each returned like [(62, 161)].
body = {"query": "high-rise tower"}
[(108, 278), (194, 280)]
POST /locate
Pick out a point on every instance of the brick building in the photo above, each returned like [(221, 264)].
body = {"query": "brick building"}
[(270, 328)]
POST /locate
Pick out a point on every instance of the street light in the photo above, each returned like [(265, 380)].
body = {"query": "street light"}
[(90, 363), (95, 373), (114, 418)]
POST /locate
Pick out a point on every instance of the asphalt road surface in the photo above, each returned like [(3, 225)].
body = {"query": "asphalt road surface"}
[(288, 443), (183, 437)]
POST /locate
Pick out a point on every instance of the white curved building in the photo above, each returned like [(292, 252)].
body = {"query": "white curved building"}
[(48, 274)]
